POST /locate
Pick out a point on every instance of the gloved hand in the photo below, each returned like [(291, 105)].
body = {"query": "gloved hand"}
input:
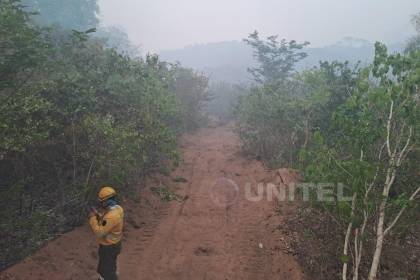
[(93, 212)]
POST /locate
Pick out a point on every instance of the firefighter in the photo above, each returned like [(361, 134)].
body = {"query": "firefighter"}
[(107, 224)]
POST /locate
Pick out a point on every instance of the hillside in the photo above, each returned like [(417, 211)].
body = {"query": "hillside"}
[(228, 61)]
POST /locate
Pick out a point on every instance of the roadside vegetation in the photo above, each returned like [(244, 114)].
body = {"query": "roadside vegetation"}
[(342, 123), (76, 113), (80, 108)]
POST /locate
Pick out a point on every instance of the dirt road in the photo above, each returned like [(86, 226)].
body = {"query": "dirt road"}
[(215, 233)]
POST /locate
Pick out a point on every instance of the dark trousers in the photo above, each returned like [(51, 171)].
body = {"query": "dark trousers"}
[(107, 266)]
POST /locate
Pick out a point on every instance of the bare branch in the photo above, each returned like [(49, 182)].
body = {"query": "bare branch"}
[(380, 151), (347, 238), (405, 150), (374, 177), (388, 128), (401, 212), (339, 165), (358, 247), (409, 148), (400, 136)]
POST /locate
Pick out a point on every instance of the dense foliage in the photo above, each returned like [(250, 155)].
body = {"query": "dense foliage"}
[(281, 111), (75, 114), (342, 125), (192, 90), (375, 154)]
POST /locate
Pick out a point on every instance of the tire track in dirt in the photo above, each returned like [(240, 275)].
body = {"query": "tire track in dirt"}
[(203, 237)]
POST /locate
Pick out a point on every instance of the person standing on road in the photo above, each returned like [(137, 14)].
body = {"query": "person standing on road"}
[(107, 224)]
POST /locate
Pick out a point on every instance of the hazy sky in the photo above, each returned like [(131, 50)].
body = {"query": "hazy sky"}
[(169, 24)]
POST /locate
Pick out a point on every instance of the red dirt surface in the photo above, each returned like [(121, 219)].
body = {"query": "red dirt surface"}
[(215, 233)]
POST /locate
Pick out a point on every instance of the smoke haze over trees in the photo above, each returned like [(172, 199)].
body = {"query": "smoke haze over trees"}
[(84, 102)]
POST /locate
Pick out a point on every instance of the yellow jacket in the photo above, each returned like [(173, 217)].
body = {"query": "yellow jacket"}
[(108, 228)]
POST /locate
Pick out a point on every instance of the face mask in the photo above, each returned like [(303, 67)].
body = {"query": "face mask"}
[(107, 203)]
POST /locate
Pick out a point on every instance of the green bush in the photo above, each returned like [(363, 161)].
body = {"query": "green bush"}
[(75, 114)]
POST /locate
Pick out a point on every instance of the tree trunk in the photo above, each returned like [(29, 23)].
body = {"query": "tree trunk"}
[(379, 242), (347, 238)]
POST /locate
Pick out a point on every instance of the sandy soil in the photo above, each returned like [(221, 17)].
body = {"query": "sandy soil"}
[(215, 233)]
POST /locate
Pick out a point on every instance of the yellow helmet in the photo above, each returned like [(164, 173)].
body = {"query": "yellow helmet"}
[(105, 193)]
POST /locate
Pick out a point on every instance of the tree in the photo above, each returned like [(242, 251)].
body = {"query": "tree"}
[(75, 113), (70, 14), (115, 38), (265, 114), (276, 59), (278, 117), (192, 92), (414, 42), (377, 129)]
